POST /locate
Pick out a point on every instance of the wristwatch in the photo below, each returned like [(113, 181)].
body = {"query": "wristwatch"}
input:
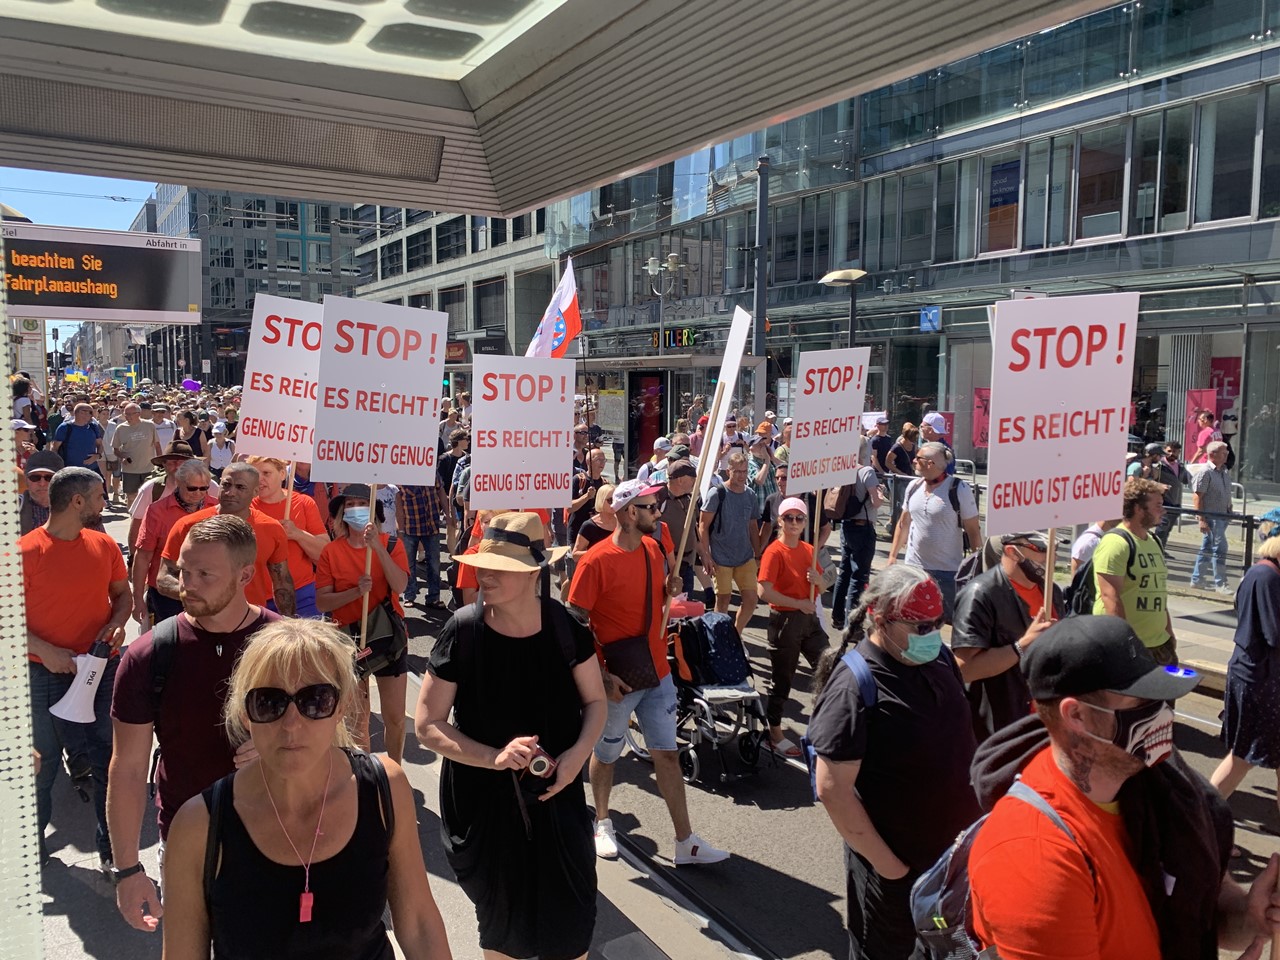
[(127, 871)]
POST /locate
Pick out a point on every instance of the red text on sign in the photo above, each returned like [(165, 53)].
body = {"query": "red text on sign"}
[(832, 379), (524, 387), (358, 451), (1063, 347), (391, 343), (1059, 426), (519, 482), (274, 430), (524, 439), (1041, 490), (299, 387), (823, 427), (292, 331), (379, 401)]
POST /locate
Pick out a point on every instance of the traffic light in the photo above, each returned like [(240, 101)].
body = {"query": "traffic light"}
[(446, 384)]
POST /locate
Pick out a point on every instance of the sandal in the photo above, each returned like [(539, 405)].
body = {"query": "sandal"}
[(783, 748)]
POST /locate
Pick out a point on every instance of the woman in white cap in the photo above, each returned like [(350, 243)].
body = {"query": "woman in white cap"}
[(521, 680)]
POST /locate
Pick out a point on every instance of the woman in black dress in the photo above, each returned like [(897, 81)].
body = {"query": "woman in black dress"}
[(520, 677), (313, 838), (1251, 707)]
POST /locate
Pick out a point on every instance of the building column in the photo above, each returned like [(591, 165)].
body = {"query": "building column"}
[(1188, 370)]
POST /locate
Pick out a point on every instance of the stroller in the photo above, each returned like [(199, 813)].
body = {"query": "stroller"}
[(715, 701)]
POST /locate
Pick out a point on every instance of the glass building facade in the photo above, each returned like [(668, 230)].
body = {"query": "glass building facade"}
[(1137, 148)]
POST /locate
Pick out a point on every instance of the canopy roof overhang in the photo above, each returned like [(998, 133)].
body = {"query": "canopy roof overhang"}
[(481, 106)]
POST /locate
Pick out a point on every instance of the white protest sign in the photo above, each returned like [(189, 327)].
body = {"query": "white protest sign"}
[(830, 393), (1061, 382), (869, 420), (522, 430), (729, 366), (278, 403), (378, 406)]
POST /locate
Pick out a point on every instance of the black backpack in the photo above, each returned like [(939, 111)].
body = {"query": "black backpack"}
[(1083, 592)]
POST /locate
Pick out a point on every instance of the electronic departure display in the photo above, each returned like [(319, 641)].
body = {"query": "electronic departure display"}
[(64, 273)]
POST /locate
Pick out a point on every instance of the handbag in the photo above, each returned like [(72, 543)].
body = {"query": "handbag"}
[(386, 639), (630, 659), (833, 504)]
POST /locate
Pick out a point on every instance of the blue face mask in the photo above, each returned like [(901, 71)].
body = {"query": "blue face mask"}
[(921, 648), (356, 517)]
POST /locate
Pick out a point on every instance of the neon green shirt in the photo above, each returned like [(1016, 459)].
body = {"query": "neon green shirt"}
[(1145, 596)]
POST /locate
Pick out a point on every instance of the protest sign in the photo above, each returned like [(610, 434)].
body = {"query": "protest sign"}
[(869, 420), (278, 402), (381, 373), (1061, 379), (726, 386), (830, 393), (522, 432)]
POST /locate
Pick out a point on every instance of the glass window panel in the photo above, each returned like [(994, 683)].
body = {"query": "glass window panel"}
[(1224, 175), (1037, 196), (1175, 32), (1000, 182), (872, 228), (899, 114), (736, 242), (917, 217), (889, 225), (847, 217), (491, 302), (786, 242), (944, 248), (1061, 164), (1101, 200), (808, 214), (451, 239), (1146, 172), (821, 236), (967, 208), (1270, 202), (979, 88), (1175, 168), (1077, 57)]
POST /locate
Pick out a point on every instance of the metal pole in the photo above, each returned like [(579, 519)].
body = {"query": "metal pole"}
[(853, 314), (662, 317), (761, 300)]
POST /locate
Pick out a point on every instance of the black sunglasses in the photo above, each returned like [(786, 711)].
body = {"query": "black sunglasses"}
[(922, 628), (651, 507), (268, 704)]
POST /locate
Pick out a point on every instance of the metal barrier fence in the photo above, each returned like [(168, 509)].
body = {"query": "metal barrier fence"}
[(1185, 543)]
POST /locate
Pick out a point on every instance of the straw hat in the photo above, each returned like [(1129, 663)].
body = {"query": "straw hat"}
[(513, 542)]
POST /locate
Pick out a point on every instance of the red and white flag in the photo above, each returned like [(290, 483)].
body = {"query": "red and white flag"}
[(561, 322)]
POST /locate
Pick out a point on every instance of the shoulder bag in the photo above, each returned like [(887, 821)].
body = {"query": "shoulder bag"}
[(630, 659)]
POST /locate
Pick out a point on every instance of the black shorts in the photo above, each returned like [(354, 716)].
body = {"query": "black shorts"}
[(133, 481), (397, 668)]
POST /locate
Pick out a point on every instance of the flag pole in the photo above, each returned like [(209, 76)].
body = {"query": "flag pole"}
[(288, 496), (703, 462)]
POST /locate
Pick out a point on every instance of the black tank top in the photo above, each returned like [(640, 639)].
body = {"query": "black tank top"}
[(255, 900)]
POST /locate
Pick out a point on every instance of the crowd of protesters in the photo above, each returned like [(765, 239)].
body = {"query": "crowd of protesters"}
[(266, 600)]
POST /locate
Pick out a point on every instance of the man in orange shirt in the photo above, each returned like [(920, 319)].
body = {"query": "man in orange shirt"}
[(609, 590), (150, 606), (304, 528), (76, 591), (271, 579), (1037, 891), (787, 580)]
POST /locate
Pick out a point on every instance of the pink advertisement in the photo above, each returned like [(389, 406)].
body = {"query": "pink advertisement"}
[(981, 416), (1197, 400), (1224, 377)]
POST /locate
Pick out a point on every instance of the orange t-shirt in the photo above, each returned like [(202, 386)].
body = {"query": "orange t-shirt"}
[(341, 566), (788, 570), (466, 572), (306, 515), (477, 531), (1032, 596), (273, 547), (1033, 894), (65, 583), (609, 584)]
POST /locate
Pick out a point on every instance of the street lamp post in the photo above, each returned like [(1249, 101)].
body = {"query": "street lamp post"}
[(661, 289), (850, 278)]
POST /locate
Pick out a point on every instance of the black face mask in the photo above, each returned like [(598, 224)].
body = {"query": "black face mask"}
[(1031, 570)]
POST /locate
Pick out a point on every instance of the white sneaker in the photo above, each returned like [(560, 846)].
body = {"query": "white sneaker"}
[(606, 840), (696, 850)]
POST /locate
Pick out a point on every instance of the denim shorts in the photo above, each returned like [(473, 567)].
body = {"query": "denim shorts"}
[(655, 709)]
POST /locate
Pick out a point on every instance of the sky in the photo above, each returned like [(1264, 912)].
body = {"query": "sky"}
[(69, 200)]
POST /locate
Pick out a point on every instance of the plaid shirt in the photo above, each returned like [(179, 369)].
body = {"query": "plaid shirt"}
[(419, 510)]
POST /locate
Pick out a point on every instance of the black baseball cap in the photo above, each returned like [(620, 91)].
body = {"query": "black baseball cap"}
[(1089, 654)]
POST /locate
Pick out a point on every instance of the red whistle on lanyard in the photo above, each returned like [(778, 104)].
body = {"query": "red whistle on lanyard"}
[(304, 906)]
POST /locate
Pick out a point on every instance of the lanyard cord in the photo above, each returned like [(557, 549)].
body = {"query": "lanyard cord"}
[(306, 867)]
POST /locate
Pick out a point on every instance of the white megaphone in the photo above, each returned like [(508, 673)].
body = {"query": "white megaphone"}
[(76, 705)]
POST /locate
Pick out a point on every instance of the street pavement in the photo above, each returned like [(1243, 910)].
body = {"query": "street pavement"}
[(781, 894)]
